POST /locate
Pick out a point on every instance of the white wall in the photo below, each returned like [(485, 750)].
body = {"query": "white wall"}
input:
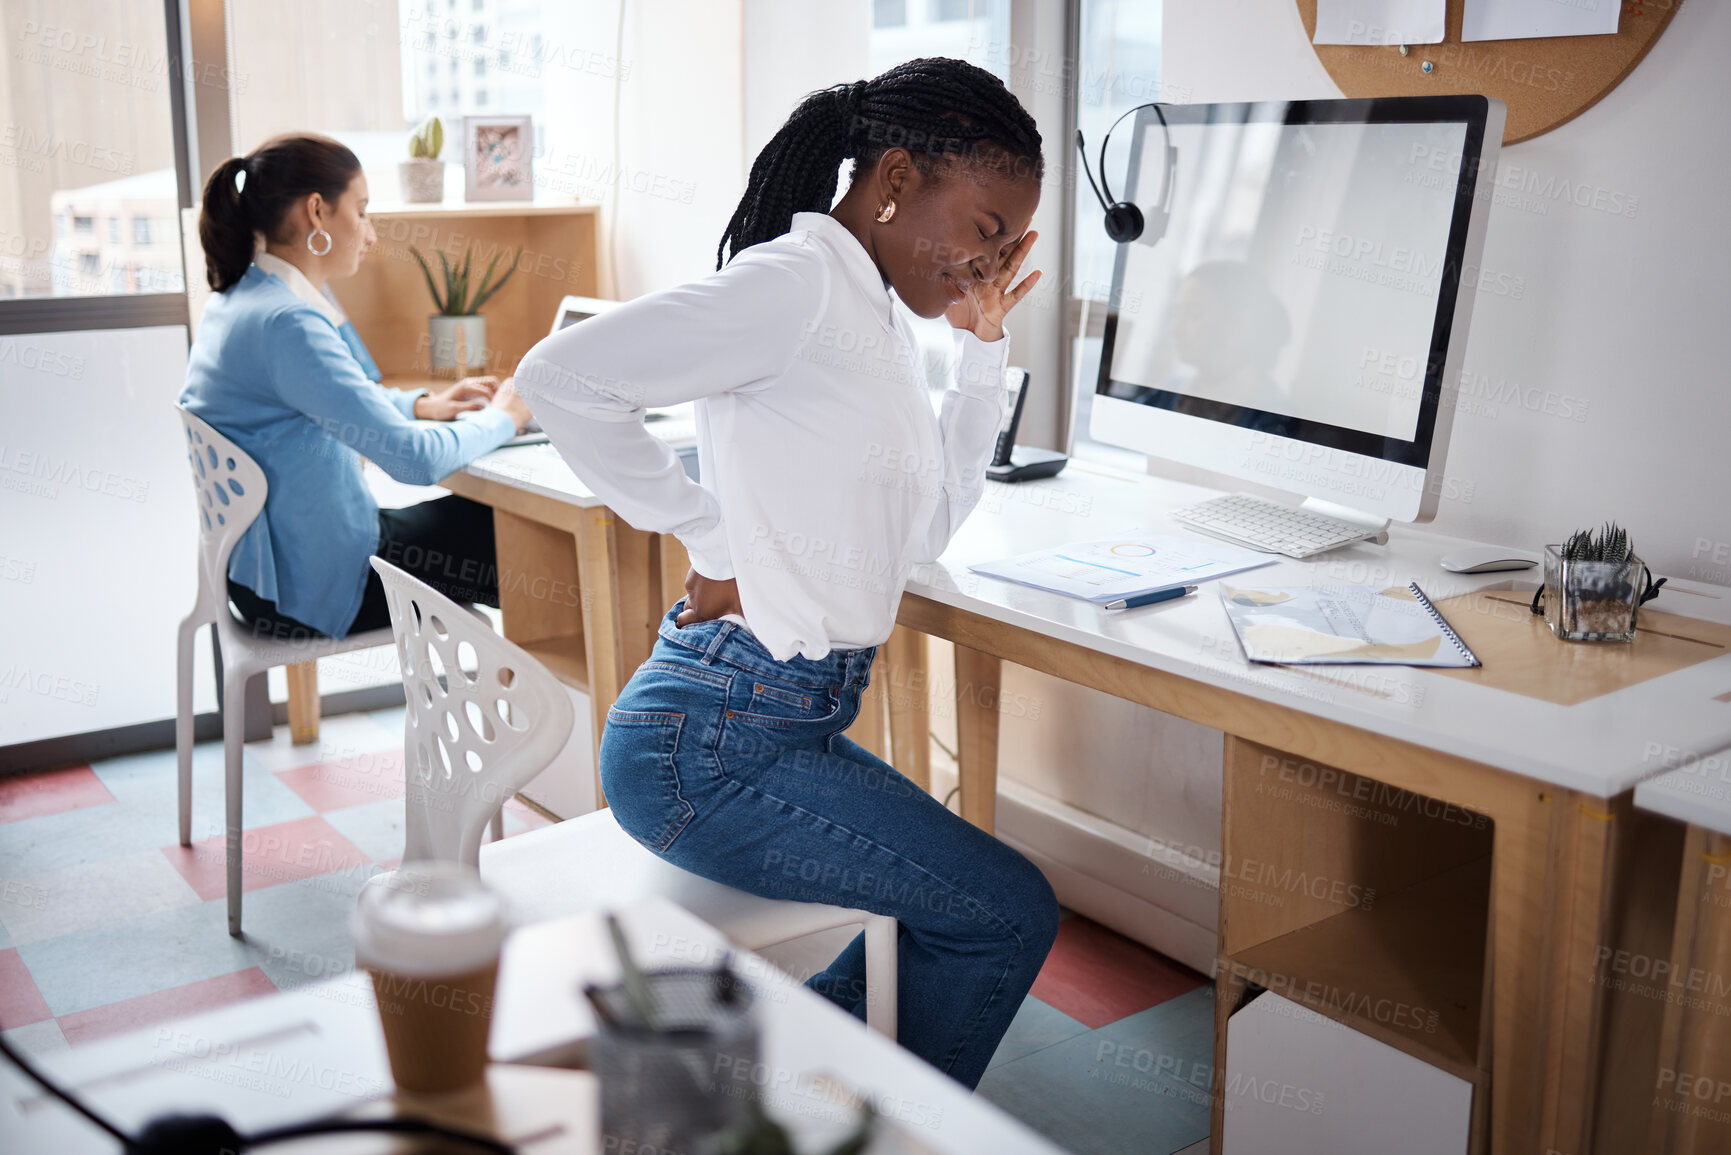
[(678, 83), (97, 538), (1620, 315), (793, 47)]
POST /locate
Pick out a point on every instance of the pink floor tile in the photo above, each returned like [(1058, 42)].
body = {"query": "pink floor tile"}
[(33, 795), (1097, 976), (285, 852), (20, 1002), (347, 782), (160, 1006)]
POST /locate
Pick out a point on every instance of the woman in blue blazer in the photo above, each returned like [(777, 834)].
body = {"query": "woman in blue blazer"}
[(278, 369)]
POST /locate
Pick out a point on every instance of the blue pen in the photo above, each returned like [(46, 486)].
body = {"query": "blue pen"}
[(1150, 599)]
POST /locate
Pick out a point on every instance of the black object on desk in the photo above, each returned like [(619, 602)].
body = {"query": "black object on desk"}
[(1012, 462)]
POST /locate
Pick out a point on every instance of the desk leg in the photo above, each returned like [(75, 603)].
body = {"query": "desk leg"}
[(303, 703), (672, 562), (1549, 896), (903, 672), (597, 570), (1695, 1041), (977, 678), (868, 728), (636, 590)]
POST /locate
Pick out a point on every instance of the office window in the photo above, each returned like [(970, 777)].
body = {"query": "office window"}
[(1117, 68), (951, 10), (89, 135), (480, 68), (889, 13), (143, 231)]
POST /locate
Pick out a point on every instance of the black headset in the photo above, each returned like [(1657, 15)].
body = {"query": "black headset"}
[(1124, 221)]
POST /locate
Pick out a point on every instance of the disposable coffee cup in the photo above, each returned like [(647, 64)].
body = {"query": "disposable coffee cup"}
[(429, 934)]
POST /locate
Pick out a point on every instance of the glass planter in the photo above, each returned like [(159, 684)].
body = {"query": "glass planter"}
[(1592, 601)]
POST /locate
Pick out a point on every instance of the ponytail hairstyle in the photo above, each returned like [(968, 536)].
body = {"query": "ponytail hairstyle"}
[(935, 108), (252, 194)]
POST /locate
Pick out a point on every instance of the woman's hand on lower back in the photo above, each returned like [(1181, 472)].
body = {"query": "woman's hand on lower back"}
[(707, 599)]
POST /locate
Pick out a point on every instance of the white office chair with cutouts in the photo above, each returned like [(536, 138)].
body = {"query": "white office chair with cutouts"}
[(484, 718), (230, 489)]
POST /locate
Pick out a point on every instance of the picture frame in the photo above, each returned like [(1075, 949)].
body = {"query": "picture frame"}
[(498, 158)]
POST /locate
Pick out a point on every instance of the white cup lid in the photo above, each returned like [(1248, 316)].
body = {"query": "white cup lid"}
[(427, 918)]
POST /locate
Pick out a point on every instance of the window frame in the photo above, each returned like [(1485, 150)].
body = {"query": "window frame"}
[(21, 315)]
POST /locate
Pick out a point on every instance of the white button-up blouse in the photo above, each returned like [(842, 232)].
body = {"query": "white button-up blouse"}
[(826, 473)]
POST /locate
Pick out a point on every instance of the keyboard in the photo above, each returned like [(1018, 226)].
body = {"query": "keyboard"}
[(1271, 527)]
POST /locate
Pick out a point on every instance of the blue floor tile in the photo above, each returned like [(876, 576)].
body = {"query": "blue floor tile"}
[(300, 930), (1036, 1026), (132, 957), (375, 827), (145, 785), (1126, 1087)]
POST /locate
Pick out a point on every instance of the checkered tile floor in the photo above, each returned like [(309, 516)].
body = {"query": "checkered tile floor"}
[(107, 924)]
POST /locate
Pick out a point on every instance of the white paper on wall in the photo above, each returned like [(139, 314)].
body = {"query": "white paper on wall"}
[(1522, 19), (1382, 21)]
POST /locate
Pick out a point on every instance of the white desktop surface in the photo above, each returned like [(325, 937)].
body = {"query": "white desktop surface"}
[(319, 1050), (540, 469), (1698, 793), (1602, 746)]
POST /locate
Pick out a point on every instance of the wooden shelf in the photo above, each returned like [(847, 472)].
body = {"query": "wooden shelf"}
[(565, 656), (382, 210), (1387, 970)]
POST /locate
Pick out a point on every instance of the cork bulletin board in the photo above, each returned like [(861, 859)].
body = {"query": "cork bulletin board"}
[(1544, 82)]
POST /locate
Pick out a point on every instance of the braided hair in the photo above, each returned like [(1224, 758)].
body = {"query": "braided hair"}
[(935, 108)]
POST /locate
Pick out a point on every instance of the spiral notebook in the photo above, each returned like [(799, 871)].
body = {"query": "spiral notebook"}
[(1311, 625)]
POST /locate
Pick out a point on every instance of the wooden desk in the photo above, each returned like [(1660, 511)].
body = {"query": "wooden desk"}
[(1431, 860)]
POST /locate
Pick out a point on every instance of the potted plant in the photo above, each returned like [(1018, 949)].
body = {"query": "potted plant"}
[(422, 176), (1594, 585), (458, 332)]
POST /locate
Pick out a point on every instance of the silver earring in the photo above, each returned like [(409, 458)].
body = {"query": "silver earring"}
[(318, 232), (885, 213)]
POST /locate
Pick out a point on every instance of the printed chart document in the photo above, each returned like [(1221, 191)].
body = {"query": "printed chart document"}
[(1521, 19), (1305, 625), (1379, 22), (1124, 566)]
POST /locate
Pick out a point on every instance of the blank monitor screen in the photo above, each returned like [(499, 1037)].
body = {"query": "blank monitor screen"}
[(1296, 290)]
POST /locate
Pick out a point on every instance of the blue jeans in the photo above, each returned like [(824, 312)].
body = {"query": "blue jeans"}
[(732, 765)]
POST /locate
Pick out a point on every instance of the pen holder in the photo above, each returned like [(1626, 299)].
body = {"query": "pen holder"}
[(678, 1085), (1593, 601)]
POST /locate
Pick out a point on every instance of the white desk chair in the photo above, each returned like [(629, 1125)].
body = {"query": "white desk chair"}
[(484, 718), (231, 491)]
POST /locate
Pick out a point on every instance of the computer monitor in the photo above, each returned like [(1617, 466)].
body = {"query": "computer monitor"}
[(1301, 321), (575, 309)]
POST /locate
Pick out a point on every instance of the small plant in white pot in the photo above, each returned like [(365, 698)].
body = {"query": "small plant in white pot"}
[(422, 176), (457, 330)]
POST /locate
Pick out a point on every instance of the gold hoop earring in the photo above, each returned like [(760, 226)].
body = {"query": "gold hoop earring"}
[(885, 213)]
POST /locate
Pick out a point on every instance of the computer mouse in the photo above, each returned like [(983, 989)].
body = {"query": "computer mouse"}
[(1487, 559)]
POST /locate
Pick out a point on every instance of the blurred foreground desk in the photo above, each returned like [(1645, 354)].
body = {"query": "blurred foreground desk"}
[(1437, 859), (318, 1051)]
